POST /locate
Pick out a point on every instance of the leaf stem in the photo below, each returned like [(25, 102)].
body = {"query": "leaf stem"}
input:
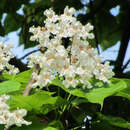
[(67, 104)]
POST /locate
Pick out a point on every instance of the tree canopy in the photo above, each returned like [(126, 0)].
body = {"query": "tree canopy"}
[(108, 29)]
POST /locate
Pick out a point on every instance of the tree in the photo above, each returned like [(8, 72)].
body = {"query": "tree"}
[(108, 30)]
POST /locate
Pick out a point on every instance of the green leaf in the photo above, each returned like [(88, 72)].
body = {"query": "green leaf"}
[(24, 77), (108, 29), (36, 124), (95, 95), (125, 92), (40, 102), (9, 86), (11, 6), (78, 101), (116, 121), (56, 124), (78, 115), (39, 124), (1, 127), (50, 128), (103, 125), (12, 22), (7, 76)]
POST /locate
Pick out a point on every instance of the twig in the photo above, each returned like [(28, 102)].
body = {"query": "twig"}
[(32, 80), (28, 54)]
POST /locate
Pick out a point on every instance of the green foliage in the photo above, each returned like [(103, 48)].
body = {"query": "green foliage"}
[(95, 95), (6, 76), (107, 25), (42, 104), (11, 22), (36, 124), (115, 121), (9, 86), (103, 125), (24, 77), (36, 102), (55, 124), (78, 115), (6, 5), (125, 92), (39, 124)]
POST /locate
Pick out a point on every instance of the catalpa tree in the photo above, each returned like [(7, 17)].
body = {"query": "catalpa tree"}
[(66, 82)]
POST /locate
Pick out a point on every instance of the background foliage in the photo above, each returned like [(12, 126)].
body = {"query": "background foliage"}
[(109, 29)]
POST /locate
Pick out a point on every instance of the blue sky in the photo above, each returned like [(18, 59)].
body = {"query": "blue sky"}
[(19, 51)]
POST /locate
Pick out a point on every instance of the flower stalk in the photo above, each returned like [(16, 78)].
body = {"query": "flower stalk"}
[(31, 81)]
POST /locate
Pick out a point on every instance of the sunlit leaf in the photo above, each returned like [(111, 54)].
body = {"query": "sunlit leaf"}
[(40, 102), (95, 95), (9, 86), (24, 77)]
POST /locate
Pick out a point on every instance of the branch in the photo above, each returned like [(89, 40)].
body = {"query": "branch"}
[(123, 47), (124, 67), (28, 54), (93, 22), (32, 80), (18, 64)]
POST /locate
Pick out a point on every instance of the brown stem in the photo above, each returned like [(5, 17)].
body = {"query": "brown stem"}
[(31, 81)]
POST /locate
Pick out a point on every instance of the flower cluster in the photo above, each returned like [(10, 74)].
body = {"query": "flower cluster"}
[(68, 52), (8, 118), (5, 56)]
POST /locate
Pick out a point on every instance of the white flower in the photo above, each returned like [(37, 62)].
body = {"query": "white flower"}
[(44, 78), (103, 72), (5, 56), (70, 82), (51, 15), (76, 58), (70, 71), (89, 27), (36, 59), (9, 118), (69, 11)]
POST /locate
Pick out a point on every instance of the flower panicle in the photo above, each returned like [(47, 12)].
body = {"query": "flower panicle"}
[(68, 51)]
